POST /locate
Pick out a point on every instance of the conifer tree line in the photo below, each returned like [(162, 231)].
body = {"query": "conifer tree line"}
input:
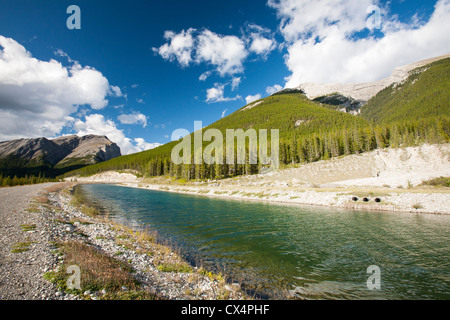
[(314, 147), (7, 181), (293, 149)]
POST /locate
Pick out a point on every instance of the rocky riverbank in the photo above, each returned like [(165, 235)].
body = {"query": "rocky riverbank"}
[(370, 199), (35, 258)]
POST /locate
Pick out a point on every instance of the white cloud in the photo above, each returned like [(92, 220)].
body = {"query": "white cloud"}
[(142, 145), (260, 40), (204, 76), (37, 97), (226, 53), (302, 19), (321, 47), (133, 118), (250, 98), (272, 89), (235, 82), (178, 48), (97, 124), (224, 112), (216, 94), (61, 53), (115, 91), (261, 45)]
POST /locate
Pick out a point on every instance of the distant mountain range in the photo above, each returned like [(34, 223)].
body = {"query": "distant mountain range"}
[(56, 155)]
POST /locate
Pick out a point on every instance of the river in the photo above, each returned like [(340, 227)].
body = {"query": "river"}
[(276, 250)]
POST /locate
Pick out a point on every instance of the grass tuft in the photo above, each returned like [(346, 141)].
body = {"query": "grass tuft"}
[(28, 227), (438, 182)]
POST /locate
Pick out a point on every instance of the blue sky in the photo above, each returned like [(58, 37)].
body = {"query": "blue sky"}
[(138, 70)]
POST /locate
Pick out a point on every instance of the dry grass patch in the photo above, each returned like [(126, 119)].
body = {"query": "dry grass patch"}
[(33, 208), (98, 272), (56, 187), (438, 182), (78, 202), (41, 199)]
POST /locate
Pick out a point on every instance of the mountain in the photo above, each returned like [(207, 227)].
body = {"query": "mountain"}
[(42, 155), (423, 94), (407, 113), (364, 91), (342, 103)]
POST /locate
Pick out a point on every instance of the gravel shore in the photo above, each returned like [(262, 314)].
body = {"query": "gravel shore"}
[(21, 272), (34, 219)]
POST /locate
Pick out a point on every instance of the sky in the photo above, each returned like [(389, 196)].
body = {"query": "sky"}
[(136, 71)]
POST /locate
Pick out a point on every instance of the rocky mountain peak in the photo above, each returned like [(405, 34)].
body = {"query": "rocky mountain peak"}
[(61, 151)]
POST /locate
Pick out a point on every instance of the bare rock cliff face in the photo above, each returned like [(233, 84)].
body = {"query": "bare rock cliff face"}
[(61, 151)]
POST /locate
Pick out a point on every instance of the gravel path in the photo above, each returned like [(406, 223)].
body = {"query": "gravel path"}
[(21, 272)]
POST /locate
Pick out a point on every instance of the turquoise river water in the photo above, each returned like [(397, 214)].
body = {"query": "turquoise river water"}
[(308, 252)]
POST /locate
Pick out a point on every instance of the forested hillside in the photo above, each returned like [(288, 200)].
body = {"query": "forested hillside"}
[(414, 112), (425, 94)]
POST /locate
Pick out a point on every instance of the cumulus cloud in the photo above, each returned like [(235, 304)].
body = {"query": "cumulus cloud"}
[(216, 94), (322, 47), (179, 47), (38, 97), (133, 118), (225, 53), (250, 98), (262, 45), (97, 124), (305, 19), (260, 40)]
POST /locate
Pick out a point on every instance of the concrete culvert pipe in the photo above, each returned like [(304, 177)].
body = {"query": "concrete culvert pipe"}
[(366, 199), (377, 200), (355, 199)]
